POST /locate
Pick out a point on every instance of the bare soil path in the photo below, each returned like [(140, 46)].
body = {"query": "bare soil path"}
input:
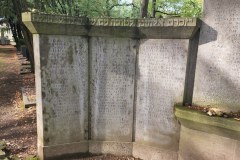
[(17, 125)]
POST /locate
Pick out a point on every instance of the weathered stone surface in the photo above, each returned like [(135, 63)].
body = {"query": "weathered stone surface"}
[(160, 84), (62, 89), (152, 153), (110, 147), (217, 81), (112, 88), (69, 51), (181, 28), (190, 118), (196, 145)]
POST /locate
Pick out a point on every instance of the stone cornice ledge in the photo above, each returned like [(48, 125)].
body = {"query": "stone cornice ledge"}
[(193, 119), (176, 28)]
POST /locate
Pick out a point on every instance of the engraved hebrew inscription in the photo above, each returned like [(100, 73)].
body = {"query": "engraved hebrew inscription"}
[(161, 77), (112, 88), (64, 64)]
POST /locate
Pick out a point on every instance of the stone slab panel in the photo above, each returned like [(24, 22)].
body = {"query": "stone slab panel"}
[(197, 145), (112, 88), (64, 89), (152, 153), (107, 147), (160, 84), (217, 81)]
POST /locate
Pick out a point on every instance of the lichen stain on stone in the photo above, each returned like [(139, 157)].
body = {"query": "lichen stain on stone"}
[(49, 113), (44, 50), (46, 139), (43, 95), (45, 128), (74, 89), (70, 55)]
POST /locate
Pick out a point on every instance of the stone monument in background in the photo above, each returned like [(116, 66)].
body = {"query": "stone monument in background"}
[(217, 85)]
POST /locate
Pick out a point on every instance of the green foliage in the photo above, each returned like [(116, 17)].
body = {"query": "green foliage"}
[(179, 8), (6, 8), (105, 8)]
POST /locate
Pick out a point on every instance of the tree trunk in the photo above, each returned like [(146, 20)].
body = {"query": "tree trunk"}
[(153, 8), (14, 32), (26, 34), (19, 30), (144, 8)]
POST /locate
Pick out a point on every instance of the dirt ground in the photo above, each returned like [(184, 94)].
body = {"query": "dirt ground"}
[(17, 124)]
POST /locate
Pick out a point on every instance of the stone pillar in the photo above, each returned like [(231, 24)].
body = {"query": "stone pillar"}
[(217, 81), (217, 84)]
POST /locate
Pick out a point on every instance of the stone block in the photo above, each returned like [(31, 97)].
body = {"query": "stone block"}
[(197, 145)]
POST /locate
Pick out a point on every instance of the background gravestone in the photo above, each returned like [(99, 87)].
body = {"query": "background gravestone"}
[(62, 86), (217, 81), (112, 92), (160, 84)]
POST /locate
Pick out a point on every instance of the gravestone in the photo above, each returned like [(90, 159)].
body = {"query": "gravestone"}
[(217, 81), (160, 84), (112, 91), (62, 88), (29, 96)]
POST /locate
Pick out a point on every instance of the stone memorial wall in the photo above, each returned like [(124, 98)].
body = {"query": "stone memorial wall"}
[(109, 85), (106, 85)]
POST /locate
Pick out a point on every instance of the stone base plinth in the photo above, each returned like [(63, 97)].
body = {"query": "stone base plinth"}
[(64, 150), (110, 147), (152, 153)]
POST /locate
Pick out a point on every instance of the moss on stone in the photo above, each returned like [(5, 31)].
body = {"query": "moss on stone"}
[(198, 120)]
